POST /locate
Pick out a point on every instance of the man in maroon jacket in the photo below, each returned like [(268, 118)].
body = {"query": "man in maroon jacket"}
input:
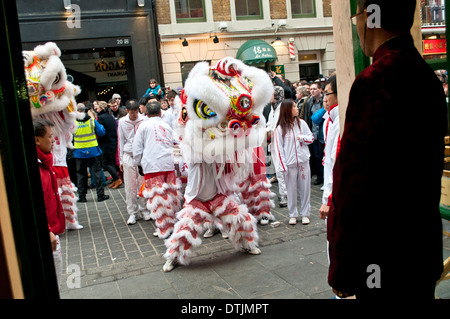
[(384, 226), (55, 216)]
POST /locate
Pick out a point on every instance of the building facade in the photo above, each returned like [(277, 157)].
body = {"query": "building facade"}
[(208, 30), (107, 46), (117, 46), (433, 29)]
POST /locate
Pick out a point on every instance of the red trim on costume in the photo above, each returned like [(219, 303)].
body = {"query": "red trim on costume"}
[(156, 174), (279, 155), (61, 171)]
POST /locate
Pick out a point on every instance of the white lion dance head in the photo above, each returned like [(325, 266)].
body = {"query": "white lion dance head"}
[(51, 95), (222, 111)]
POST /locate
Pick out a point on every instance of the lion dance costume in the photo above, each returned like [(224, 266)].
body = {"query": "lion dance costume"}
[(52, 97), (222, 130)]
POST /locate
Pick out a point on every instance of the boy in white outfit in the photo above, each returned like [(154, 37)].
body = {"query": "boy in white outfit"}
[(292, 137), (272, 121), (332, 142), (128, 126), (153, 150)]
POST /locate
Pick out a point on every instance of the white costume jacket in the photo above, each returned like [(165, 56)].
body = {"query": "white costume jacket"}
[(168, 116), (153, 146), (127, 132), (332, 141), (273, 119), (297, 138)]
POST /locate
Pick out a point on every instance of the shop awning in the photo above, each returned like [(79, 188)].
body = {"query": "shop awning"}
[(256, 51)]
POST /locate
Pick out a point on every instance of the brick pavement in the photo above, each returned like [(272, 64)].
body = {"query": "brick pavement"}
[(108, 249), (117, 260)]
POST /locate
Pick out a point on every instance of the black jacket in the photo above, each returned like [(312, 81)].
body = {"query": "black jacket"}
[(387, 177), (108, 142)]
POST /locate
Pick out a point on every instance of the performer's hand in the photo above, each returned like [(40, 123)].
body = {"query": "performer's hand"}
[(121, 167), (53, 241), (323, 211)]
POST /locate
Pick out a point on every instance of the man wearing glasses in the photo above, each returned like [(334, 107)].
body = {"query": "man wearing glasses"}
[(312, 105), (384, 227)]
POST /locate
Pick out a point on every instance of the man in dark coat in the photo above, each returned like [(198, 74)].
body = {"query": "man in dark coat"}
[(384, 226), (108, 143)]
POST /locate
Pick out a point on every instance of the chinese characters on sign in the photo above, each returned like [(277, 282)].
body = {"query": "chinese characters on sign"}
[(435, 46), (262, 52)]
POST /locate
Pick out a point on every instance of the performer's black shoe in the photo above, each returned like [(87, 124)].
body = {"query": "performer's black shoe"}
[(102, 198), (82, 200)]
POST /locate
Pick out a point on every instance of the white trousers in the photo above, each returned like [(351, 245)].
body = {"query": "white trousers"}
[(133, 182), (281, 183), (298, 180), (279, 174)]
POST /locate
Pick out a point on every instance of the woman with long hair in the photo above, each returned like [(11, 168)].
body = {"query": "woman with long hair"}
[(292, 137)]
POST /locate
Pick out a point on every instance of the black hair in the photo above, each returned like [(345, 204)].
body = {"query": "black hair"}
[(143, 101), (332, 80), (40, 126), (132, 105), (153, 108)]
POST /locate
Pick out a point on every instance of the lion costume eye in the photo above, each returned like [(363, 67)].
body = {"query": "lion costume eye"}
[(203, 111), (245, 101), (57, 78)]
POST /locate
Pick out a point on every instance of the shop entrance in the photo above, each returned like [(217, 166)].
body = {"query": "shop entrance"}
[(309, 71), (99, 72)]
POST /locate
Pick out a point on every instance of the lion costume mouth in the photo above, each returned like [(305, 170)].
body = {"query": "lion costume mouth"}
[(51, 96)]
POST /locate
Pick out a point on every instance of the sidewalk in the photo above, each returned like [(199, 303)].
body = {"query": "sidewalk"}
[(121, 261)]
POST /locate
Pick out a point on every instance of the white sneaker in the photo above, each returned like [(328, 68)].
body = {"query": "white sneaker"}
[(146, 215), (131, 220), (210, 232), (73, 226), (224, 234), (254, 251), (169, 265), (283, 201), (305, 220), (264, 221), (155, 234), (292, 221)]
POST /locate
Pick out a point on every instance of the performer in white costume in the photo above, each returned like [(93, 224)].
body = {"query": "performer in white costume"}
[(153, 150), (292, 137), (52, 97), (278, 97), (222, 107), (332, 142), (128, 126)]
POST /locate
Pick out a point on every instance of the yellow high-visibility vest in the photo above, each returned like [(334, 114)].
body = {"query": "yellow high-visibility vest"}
[(85, 135)]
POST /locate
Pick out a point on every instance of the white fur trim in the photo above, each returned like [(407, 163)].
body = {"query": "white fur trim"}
[(44, 51)]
